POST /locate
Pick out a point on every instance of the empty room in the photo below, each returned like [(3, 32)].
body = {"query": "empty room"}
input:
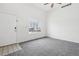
[(39, 29)]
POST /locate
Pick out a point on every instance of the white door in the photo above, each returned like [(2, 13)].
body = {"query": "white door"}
[(21, 30), (7, 29)]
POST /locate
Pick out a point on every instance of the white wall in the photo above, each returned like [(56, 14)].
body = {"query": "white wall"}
[(64, 23), (23, 12)]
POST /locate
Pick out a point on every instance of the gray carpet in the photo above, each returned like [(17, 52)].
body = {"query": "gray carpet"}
[(48, 47)]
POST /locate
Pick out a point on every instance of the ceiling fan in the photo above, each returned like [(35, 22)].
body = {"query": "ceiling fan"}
[(52, 4)]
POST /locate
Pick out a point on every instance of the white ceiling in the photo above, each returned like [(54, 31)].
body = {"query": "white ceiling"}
[(45, 7)]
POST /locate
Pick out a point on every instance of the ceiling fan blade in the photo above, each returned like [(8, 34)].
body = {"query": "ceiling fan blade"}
[(59, 3), (66, 5), (52, 5), (46, 3)]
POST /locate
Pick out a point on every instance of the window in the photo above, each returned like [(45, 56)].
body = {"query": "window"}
[(34, 26)]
